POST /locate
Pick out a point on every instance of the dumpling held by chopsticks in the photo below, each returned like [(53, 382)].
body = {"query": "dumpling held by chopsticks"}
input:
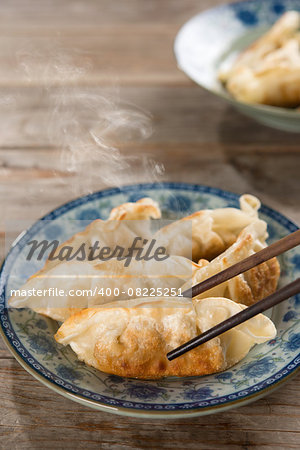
[(132, 338)]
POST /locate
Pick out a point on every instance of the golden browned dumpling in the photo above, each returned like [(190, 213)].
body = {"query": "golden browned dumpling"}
[(132, 338), (96, 278), (251, 286), (125, 222), (207, 233), (268, 72)]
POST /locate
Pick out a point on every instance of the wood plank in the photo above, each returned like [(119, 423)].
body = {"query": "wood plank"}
[(126, 55), (270, 176), (4, 352), (269, 423), (178, 114), (131, 44), (218, 153), (90, 12)]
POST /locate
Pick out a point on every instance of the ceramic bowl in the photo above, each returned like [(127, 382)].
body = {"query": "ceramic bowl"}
[(214, 38)]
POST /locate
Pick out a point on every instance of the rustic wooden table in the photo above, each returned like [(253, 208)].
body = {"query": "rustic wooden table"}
[(124, 50)]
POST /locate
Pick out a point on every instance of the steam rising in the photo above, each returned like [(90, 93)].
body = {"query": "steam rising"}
[(88, 125)]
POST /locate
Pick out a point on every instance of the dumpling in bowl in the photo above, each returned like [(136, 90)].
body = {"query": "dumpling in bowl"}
[(125, 222), (92, 283), (131, 339), (268, 72), (207, 233), (251, 286)]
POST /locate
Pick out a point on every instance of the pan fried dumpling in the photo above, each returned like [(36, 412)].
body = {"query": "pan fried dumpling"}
[(132, 338), (268, 72), (143, 209), (90, 277), (125, 222), (206, 234), (251, 286)]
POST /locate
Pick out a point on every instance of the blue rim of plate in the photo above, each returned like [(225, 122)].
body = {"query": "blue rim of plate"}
[(235, 6), (103, 402)]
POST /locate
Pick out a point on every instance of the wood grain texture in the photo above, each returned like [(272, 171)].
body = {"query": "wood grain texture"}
[(124, 52), (130, 41), (270, 423)]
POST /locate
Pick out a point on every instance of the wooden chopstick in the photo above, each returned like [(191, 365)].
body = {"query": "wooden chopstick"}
[(282, 294), (275, 249)]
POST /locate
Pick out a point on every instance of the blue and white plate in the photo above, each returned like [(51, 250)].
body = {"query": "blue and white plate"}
[(214, 38), (29, 335)]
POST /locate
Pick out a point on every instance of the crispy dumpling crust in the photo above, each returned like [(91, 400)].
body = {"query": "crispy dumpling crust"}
[(253, 285), (132, 338), (250, 287), (262, 281), (133, 341), (141, 353)]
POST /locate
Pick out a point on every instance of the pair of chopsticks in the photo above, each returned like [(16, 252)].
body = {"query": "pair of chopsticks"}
[(275, 249)]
